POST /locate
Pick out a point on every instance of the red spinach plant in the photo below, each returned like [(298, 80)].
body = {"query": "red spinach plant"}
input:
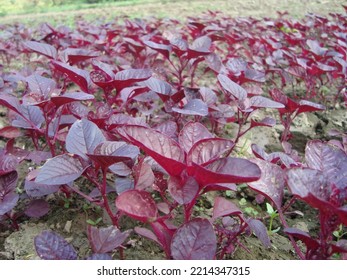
[(321, 182), (128, 101)]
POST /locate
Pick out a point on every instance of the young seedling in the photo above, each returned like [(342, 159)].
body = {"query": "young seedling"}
[(340, 232), (272, 215), (94, 222)]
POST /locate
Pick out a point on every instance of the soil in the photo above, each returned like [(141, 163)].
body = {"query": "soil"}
[(71, 223)]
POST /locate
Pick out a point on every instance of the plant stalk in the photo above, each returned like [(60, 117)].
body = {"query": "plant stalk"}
[(295, 245)]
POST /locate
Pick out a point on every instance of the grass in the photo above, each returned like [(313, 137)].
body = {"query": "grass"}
[(181, 9), (24, 7), (30, 14)]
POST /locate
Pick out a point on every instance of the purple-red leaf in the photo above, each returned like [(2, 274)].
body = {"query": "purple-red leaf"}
[(42, 48), (160, 147), (311, 186), (111, 152), (271, 183), (120, 169), (105, 68), (260, 231), (164, 234), (37, 208), (8, 182), (162, 88), (161, 48), (7, 202), (101, 79), (310, 243), (328, 159), (236, 65), (145, 232), (194, 107), (60, 170), (308, 106), (10, 132), (126, 78), (10, 102), (316, 48), (34, 189), (41, 85), (69, 97), (179, 45), (83, 137), (255, 75), (227, 170), (168, 128), (123, 184), (214, 62), (267, 121), (121, 119), (135, 93), (195, 240), (183, 190), (259, 152), (297, 71), (220, 187), (73, 55), (133, 75), (30, 117), (144, 176), (138, 204), (117, 149), (279, 96), (223, 113), (78, 76), (191, 133), (223, 207), (104, 240), (8, 163), (263, 102), (231, 87), (207, 150), (200, 46), (51, 246), (208, 96)]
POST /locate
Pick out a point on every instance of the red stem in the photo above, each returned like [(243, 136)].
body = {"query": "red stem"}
[(324, 233), (290, 203), (296, 247), (86, 197), (113, 217), (13, 222)]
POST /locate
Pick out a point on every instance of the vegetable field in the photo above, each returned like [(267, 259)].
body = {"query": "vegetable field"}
[(209, 137)]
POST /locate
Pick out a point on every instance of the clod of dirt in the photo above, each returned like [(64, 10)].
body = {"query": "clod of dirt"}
[(281, 249), (337, 119), (67, 227), (20, 244), (142, 249), (302, 226), (266, 138)]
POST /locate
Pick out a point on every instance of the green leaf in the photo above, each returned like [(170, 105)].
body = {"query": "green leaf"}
[(94, 223), (269, 209), (276, 230)]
